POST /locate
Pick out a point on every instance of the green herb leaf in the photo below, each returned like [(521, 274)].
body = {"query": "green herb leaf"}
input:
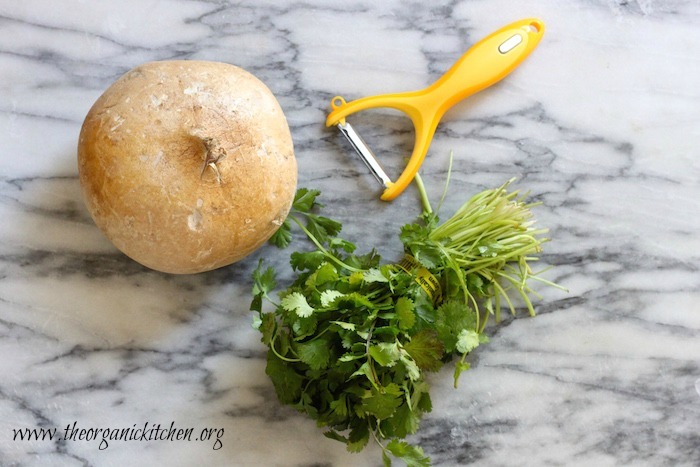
[(297, 303), (325, 273), (467, 341), (355, 300), (329, 296), (404, 312), (385, 353), (306, 261), (374, 275), (340, 244), (359, 437), (382, 405), (305, 199), (426, 349), (404, 422), (283, 236), (364, 370), (314, 353), (304, 327), (386, 460), (460, 367), (332, 434), (263, 283), (286, 381), (267, 327), (420, 399), (452, 317), (413, 456), (339, 407), (322, 227), (410, 365)]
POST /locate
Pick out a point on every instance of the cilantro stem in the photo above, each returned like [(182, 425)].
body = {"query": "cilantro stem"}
[(423, 194), (321, 248), (274, 350), (281, 357), (376, 438), (370, 361), (447, 182), (318, 335)]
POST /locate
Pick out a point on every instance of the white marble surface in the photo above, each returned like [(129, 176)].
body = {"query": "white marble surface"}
[(602, 124)]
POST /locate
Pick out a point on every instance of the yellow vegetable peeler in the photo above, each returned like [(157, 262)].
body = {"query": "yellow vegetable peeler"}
[(487, 62)]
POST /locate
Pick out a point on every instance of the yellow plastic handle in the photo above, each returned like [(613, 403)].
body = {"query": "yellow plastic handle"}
[(487, 62)]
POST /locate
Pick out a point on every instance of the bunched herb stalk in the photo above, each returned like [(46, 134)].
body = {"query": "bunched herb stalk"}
[(351, 338), (490, 239)]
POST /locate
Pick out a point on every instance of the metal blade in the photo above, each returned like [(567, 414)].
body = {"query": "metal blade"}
[(365, 153)]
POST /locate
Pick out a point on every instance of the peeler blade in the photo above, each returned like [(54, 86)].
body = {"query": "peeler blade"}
[(365, 153)]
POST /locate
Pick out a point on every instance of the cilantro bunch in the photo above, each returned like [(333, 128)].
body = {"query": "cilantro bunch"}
[(351, 338)]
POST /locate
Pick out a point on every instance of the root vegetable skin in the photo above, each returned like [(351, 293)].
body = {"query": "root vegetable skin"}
[(187, 166)]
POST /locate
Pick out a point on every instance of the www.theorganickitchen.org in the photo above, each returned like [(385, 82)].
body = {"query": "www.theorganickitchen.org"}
[(147, 432)]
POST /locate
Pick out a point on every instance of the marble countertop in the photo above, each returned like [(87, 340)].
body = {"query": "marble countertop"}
[(601, 124)]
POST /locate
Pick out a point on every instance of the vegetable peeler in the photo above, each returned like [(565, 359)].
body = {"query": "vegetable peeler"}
[(487, 62)]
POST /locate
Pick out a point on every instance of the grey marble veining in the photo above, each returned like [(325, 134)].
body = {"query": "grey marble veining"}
[(601, 124)]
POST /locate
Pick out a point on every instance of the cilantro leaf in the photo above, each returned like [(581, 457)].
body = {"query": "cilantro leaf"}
[(404, 312), (286, 381), (263, 283), (383, 404), (297, 303), (339, 407), (374, 275), (283, 236), (459, 368), (322, 228), (366, 261), (413, 233), (332, 434), (354, 300), (404, 422), (306, 261), (315, 353), (338, 243), (267, 327), (385, 353), (452, 317), (304, 327), (428, 254), (467, 341), (413, 456), (305, 199), (410, 365), (416, 239), (329, 296), (359, 437), (364, 370), (326, 272), (423, 308), (304, 202), (426, 349), (420, 399)]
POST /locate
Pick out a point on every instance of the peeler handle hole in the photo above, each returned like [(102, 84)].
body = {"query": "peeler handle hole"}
[(337, 101), (534, 27)]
